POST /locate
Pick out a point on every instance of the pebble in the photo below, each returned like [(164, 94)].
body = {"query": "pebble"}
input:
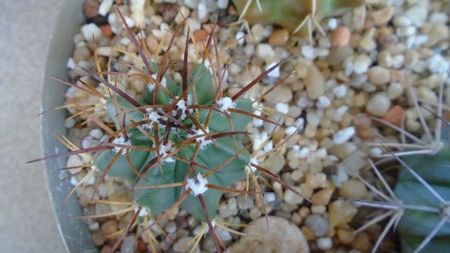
[(314, 82), (343, 135), (109, 227), (128, 244), (282, 107), (281, 94), (340, 91), (379, 104), (395, 115), (378, 75), (325, 243), (105, 6), (74, 161), (340, 37), (309, 52), (438, 64), (341, 213), (184, 244), (275, 73), (265, 51), (323, 102), (382, 16), (91, 32), (405, 31), (96, 133), (90, 8), (279, 37), (293, 198), (361, 63), (322, 197), (353, 189), (271, 234), (402, 21), (418, 13), (317, 224)]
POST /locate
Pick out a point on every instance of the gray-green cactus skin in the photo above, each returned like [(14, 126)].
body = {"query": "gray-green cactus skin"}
[(415, 226), (221, 156)]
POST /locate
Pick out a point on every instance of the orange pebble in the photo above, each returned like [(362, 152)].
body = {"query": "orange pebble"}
[(106, 31), (201, 35), (340, 37), (395, 115)]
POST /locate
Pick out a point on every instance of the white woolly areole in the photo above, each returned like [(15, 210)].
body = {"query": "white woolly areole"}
[(120, 141), (182, 106), (152, 115), (165, 150), (197, 186), (250, 168), (204, 142), (225, 104)]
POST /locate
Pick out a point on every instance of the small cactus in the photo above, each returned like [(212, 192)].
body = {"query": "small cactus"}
[(419, 205), (294, 15)]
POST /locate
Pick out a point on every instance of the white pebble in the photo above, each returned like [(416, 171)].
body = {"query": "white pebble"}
[(438, 64), (104, 7), (303, 152), (94, 226), (339, 113), (71, 64), (257, 122), (375, 152), (275, 73), (343, 135), (69, 123), (397, 61), (240, 37), (191, 3), (202, 11), (270, 197), (324, 243), (405, 31), (340, 91), (282, 107), (332, 23), (91, 32), (361, 64), (265, 51), (222, 4), (323, 102), (73, 181), (96, 133), (309, 52)]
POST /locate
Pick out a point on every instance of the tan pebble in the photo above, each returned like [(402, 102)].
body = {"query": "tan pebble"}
[(382, 16), (378, 75), (98, 237), (379, 104), (345, 237), (340, 213), (110, 227), (395, 115), (363, 126), (315, 83), (397, 75), (281, 94), (106, 249), (90, 8), (323, 196), (353, 189), (279, 37), (340, 37), (362, 242), (152, 44), (201, 35), (282, 237), (309, 235)]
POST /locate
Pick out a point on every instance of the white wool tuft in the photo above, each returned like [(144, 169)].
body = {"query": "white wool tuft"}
[(121, 141), (197, 186), (250, 168), (225, 104), (165, 150), (204, 141)]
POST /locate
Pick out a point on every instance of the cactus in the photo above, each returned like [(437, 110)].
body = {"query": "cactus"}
[(180, 145), (293, 14), (419, 205)]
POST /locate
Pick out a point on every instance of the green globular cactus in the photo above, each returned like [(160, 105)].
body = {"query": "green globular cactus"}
[(291, 14), (177, 143), (426, 228)]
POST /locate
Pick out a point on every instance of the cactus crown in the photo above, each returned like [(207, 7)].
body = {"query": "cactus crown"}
[(178, 139)]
